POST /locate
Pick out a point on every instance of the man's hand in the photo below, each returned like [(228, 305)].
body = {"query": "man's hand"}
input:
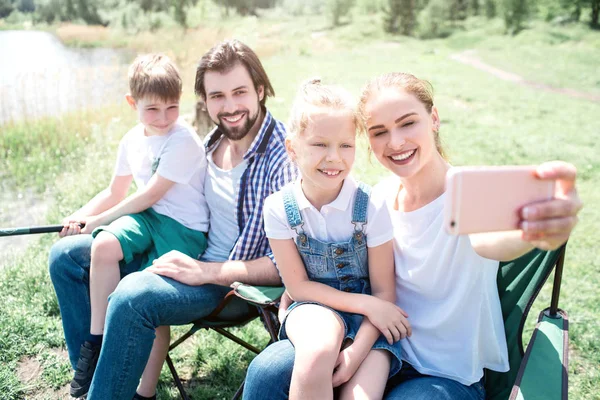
[(182, 268), (388, 318), (548, 224)]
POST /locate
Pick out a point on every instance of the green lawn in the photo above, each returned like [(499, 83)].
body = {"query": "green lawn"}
[(485, 120)]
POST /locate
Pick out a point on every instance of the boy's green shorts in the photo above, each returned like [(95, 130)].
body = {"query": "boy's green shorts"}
[(151, 235)]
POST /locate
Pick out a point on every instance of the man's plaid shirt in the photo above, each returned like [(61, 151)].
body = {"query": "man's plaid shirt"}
[(269, 169)]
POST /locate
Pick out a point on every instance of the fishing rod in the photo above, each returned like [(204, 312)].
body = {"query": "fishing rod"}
[(32, 230)]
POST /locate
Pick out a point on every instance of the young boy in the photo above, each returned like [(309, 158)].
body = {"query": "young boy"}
[(168, 212)]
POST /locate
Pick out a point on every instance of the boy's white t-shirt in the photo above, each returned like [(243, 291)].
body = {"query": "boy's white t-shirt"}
[(182, 160), (333, 223), (449, 293)]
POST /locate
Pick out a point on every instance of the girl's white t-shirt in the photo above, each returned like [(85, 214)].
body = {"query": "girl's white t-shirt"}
[(449, 293), (333, 223), (182, 160)]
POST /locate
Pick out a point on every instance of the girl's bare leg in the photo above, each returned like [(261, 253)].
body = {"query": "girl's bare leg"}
[(147, 387), (369, 380), (104, 277), (317, 333)]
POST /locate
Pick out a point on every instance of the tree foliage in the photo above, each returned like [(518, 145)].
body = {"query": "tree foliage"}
[(338, 9)]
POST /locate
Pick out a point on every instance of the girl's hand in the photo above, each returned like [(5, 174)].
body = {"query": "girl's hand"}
[(548, 224), (389, 319), (346, 365), (71, 226), (284, 303)]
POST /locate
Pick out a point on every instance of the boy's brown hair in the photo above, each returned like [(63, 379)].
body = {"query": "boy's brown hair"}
[(154, 76)]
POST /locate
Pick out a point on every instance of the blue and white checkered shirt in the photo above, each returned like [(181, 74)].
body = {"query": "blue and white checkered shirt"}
[(269, 169)]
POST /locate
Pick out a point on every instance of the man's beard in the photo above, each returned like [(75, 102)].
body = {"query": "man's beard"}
[(238, 132)]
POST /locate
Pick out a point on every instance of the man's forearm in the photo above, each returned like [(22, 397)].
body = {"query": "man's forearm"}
[(260, 271)]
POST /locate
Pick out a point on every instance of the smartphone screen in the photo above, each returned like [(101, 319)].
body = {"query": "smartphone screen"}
[(489, 199)]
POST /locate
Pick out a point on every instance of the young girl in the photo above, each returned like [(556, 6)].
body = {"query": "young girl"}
[(333, 246)]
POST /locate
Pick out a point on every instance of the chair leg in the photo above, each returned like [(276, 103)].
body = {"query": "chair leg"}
[(270, 325), (239, 392), (178, 383), (236, 339)]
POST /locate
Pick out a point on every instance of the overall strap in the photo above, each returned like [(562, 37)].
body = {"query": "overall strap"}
[(361, 204), (291, 209)]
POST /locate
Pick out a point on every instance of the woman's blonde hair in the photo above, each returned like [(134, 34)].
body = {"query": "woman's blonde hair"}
[(312, 97), (421, 89)]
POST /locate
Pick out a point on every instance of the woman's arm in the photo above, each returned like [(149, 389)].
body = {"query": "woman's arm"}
[(137, 202), (545, 225)]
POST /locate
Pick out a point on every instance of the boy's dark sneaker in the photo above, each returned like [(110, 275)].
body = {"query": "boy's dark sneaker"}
[(86, 365), (140, 397)]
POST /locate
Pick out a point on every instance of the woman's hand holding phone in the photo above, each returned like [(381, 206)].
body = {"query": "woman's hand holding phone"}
[(548, 224), (541, 201)]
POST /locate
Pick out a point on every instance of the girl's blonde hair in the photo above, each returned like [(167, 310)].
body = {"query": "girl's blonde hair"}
[(312, 97), (421, 89)]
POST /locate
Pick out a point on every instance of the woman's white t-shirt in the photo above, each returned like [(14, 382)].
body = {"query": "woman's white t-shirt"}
[(449, 293), (182, 160)]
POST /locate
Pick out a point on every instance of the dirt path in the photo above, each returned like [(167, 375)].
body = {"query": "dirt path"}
[(469, 57)]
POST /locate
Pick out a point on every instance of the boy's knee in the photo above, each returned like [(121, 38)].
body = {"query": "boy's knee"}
[(106, 247)]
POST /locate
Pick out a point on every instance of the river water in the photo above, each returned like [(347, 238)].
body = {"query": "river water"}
[(39, 76)]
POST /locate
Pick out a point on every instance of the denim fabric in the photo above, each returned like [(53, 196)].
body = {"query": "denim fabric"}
[(270, 373), (141, 302), (341, 265)]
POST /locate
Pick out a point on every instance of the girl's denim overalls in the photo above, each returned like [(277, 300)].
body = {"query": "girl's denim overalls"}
[(341, 265)]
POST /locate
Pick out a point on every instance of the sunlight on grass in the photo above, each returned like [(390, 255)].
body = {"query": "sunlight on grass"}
[(484, 121)]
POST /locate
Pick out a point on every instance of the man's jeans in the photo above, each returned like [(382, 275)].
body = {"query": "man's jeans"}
[(270, 373), (141, 302)]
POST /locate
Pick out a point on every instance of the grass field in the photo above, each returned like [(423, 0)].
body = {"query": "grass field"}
[(485, 120)]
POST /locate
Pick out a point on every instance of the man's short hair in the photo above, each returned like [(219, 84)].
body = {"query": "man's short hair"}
[(225, 56), (155, 76)]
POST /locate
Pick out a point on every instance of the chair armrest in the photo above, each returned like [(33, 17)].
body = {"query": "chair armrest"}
[(543, 371), (260, 296)]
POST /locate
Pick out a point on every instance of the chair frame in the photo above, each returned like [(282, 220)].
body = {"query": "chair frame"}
[(267, 314)]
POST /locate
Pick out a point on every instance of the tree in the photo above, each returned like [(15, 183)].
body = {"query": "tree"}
[(515, 12), (180, 14), (594, 23), (490, 8), (339, 9), (458, 10), (475, 7), (26, 6), (6, 7), (89, 13), (400, 16)]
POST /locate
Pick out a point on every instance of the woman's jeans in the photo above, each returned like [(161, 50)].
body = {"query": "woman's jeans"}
[(270, 373), (141, 302)]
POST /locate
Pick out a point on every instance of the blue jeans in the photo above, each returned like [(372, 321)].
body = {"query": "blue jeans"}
[(270, 373), (141, 302)]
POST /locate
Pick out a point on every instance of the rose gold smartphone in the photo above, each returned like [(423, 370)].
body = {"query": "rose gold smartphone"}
[(489, 199)]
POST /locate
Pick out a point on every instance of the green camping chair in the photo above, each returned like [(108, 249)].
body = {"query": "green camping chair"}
[(519, 283), (541, 371), (263, 300)]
